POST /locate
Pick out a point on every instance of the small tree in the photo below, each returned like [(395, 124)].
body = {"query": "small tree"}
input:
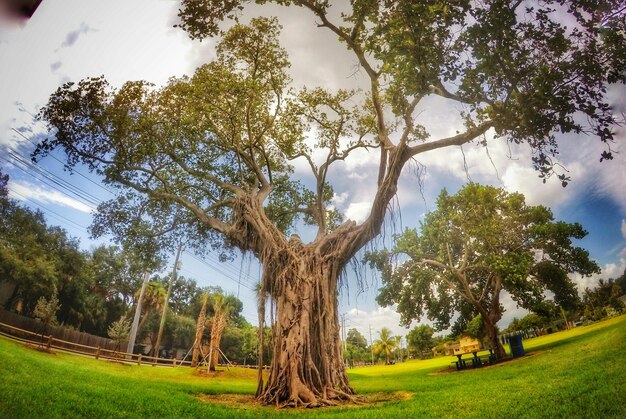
[(119, 331), (476, 244), (45, 310)]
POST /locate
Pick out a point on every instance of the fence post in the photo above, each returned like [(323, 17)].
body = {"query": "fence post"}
[(98, 352), (139, 360), (49, 342), (174, 362)]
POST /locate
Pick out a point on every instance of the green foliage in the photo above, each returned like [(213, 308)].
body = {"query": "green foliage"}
[(38, 259), (476, 328), (603, 300), (46, 309), (420, 341), (179, 331), (119, 329), (355, 338), (530, 321), (386, 343), (210, 137), (475, 244), (526, 69)]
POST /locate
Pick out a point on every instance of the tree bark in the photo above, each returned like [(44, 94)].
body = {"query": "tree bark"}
[(492, 334), (195, 357), (217, 330), (307, 368)]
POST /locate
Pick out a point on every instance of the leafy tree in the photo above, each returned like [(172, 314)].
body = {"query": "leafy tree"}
[(45, 310), (119, 330), (355, 338), (476, 328), (39, 260), (385, 344), (420, 341), (249, 344), (476, 244), (179, 331), (211, 155), (357, 348), (605, 295)]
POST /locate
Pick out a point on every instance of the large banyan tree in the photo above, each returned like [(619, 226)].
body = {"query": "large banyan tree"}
[(212, 154)]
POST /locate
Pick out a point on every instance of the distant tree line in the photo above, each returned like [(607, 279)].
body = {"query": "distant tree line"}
[(96, 291)]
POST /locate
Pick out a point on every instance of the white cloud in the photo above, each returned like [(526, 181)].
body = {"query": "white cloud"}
[(609, 270), (28, 191), (375, 320), (358, 211)]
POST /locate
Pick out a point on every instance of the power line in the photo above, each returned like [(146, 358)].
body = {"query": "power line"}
[(52, 213), (50, 179), (65, 165)]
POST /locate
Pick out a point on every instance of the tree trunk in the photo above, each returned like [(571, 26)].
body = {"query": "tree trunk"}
[(217, 330), (492, 334), (307, 368), (195, 357)]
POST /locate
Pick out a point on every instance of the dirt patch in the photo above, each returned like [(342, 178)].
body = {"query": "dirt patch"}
[(243, 401), (40, 348), (204, 373)]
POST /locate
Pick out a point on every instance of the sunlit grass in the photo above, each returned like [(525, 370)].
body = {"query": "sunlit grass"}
[(577, 373)]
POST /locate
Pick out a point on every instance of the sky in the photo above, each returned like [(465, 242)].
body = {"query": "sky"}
[(67, 40)]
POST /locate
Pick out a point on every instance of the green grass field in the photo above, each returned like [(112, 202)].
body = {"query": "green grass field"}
[(578, 373)]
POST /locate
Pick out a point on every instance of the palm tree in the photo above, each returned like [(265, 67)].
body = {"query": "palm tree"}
[(386, 343), (199, 331), (222, 308), (153, 300)]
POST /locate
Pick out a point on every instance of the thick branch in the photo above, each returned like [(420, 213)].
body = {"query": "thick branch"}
[(459, 139)]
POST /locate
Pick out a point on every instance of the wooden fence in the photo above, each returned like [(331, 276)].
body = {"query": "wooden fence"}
[(58, 332), (31, 331), (50, 342)]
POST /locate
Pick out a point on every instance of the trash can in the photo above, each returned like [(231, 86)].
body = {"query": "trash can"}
[(517, 348)]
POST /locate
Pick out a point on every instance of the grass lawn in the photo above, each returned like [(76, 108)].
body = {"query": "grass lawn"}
[(577, 373)]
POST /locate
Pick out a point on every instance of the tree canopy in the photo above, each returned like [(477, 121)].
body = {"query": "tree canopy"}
[(476, 244)]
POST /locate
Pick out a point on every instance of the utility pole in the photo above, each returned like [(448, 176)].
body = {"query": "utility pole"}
[(133, 329), (167, 297), (371, 345)]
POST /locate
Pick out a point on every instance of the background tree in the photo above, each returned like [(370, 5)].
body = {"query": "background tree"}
[(153, 301), (420, 341), (385, 344), (476, 244), (357, 348), (355, 338), (213, 152), (603, 299)]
